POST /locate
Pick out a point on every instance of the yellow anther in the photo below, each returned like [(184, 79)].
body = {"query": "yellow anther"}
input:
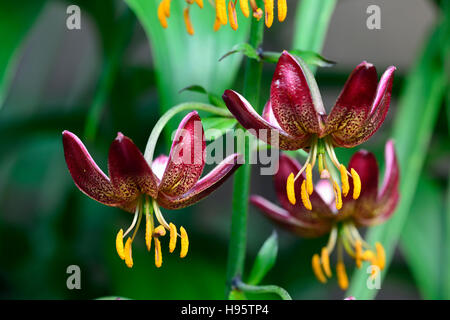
[(199, 3), (381, 255), (119, 244), (158, 253), (368, 255), (128, 253), (217, 24), (258, 14), (161, 14), (309, 180), (232, 15), (184, 242), (358, 253), (244, 7), (282, 10), (344, 180), (173, 237), (341, 275), (290, 189), (337, 195), (159, 231), (325, 258), (305, 196), (148, 232), (221, 11), (356, 184), (167, 8), (187, 21), (318, 269), (268, 8)]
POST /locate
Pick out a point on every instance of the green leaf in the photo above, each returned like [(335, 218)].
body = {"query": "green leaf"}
[(220, 124), (181, 59), (446, 289), (244, 48), (422, 238), (311, 58), (311, 24), (265, 260), (16, 20), (423, 93), (213, 98)]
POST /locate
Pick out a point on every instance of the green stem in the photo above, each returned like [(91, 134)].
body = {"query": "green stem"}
[(241, 182), (113, 57), (159, 126), (263, 289)]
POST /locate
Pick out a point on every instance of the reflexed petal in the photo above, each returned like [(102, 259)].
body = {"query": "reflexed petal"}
[(187, 157), (319, 208), (129, 172), (353, 105), (261, 128), (377, 114), (204, 186), (285, 219), (159, 165), (85, 173), (269, 116), (292, 101)]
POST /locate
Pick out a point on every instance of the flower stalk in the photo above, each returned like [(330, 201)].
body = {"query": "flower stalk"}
[(241, 182), (241, 286)]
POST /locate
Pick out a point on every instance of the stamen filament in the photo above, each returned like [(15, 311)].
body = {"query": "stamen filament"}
[(159, 215)]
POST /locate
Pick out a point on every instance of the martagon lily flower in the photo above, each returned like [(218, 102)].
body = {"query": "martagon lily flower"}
[(374, 206), (295, 118), (172, 182), (222, 16)]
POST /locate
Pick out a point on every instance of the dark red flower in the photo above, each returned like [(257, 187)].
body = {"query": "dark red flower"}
[(374, 206), (295, 118), (172, 182)]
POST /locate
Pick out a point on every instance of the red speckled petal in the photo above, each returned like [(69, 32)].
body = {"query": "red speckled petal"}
[(320, 209), (86, 174), (159, 165), (130, 174), (282, 217), (260, 127), (204, 186), (377, 114), (187, 157), (353, 105), (291, 99)]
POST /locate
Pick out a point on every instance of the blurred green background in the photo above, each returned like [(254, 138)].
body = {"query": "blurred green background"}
[(121, 71)]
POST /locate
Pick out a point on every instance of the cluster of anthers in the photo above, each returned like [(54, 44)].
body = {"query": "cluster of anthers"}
[(223, 15), (151, 233), (347, 238), (319, 149)]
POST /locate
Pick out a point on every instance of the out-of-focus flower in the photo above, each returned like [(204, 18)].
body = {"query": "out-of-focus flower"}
[(226, 12), (295, 118), (172, 182), (374, 206)]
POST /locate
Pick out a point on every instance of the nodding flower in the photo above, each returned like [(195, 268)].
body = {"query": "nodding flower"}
[(295, 118), (172, 182), (374, 206), (225, 13)]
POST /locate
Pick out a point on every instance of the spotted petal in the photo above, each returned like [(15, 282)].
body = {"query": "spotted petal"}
[(294, 106), (290, 222), (204, 186), (358, 131), (260, 127), (129, 172), (353, 105), (186, 158), (88, 177)]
